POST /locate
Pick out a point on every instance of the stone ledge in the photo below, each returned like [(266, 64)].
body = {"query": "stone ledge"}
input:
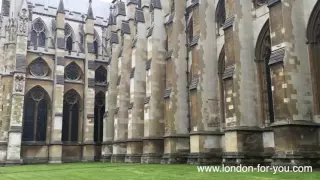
[(135, 140), (107, 142), (133, 158), (89, 143), (177, 136), (152, 138), (119, 141), (34, 143), (294, 123), (206, 133), (242, 128)]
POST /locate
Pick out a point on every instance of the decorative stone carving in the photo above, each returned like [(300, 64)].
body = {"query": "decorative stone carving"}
[(23, 21), (19, 82)]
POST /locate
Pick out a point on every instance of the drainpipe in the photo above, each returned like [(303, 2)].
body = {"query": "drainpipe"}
[(186, 15)]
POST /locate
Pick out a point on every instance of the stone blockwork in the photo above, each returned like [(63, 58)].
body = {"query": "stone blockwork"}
[(161, 81)]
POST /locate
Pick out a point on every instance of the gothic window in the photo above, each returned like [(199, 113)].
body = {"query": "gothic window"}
[(35, 115), (220, 13), (99, 110), (73, 72), (71, 112), (263, 52), (68, 35), (38, 33), (313, 37), (101, 75), (96, 41), (221, 67), (39, 68), (190, 30)]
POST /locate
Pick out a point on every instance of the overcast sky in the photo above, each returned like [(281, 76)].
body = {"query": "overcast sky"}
[(107, 0)]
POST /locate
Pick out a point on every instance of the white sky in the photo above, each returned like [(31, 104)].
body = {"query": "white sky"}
[(107, 0)]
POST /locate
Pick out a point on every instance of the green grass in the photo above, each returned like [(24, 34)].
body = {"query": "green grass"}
[(107, 171)]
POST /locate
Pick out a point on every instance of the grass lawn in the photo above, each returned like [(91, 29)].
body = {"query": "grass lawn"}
[(107, 171)]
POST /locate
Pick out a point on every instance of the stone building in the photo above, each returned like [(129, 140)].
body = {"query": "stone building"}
[(160, 81)]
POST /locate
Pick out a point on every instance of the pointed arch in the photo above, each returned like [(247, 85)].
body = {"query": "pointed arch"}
[(262, 56), (71, 116), (39, 68), (101, 75), (36, 114), (38, 33), (73, 72), (96, 43), (221, 68), (313, 28), (99, 110), (313, 37), (69, 36), (220, 13)]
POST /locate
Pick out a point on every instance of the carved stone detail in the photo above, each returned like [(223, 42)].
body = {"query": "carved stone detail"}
[(19, 83)]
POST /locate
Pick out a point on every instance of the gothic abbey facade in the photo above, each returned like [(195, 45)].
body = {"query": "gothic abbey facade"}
[(161, 81)]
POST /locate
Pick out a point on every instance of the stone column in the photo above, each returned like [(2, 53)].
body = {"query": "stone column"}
[(19, 38), (89, 93), (137, 90), (176, 137), (205, 134), (243, 138), (120, 122), (55, 149), (6, 83), (294, 130), (154, 108)]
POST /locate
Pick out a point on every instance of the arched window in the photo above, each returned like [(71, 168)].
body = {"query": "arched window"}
[(35, 115), (99, 109), (101, 75), (220, 13), (221, 68), (263, 52), (38, 33), (68, 33), (313, 36), (73, 72), (71, 112), (39, 68), (190, 30), (96, 42)]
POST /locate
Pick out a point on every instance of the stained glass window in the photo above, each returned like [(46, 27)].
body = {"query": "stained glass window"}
[(71, 110), (38, 33), (101, 75), (39, 68), (35, 115), (73, 72)]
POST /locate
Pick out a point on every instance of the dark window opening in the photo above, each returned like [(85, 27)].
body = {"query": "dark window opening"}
[(73, 72), (96, 49), (99, 110), (139, 4), (101, 75), (71, 110), (190, 30), (69, 44), (35, 116)]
